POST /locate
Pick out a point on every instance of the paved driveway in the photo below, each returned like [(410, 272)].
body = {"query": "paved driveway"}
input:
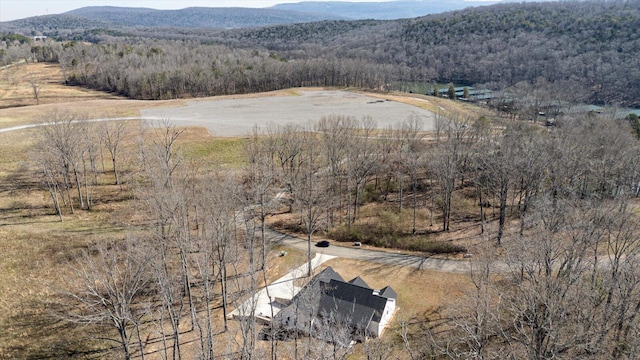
[(383, 257), (267, 302)]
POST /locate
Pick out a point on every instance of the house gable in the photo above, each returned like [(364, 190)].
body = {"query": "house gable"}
[(359, 282), (388, 292)]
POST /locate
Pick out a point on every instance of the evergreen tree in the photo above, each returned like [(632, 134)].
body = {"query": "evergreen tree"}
[(452, 92), (634, 121)]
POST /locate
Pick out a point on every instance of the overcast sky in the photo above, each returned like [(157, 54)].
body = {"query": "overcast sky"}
[(18, 9)]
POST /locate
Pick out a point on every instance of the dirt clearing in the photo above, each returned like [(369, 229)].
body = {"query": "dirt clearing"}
[(236, 116)]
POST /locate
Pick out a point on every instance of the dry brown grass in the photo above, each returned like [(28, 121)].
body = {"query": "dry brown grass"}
[(18, 104), (423, 296), (462, 110), (37, 253), (16, 86)]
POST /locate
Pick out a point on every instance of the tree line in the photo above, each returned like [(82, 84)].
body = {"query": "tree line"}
[(168, 70)]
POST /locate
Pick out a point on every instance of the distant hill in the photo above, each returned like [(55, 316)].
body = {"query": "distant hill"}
[(592, 45), (198, 17), (110, 17), (589, 47), (107, 17), (389, 10), (48, 23)]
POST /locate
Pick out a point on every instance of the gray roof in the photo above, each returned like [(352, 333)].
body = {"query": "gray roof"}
[(352, 302), (359, 282), (328, 274), (328, 296), (388, 292)]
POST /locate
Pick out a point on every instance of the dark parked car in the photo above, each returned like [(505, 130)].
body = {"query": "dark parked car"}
[(323, 243)]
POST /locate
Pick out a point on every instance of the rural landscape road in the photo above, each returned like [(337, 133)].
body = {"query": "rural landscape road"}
[(383, 257)]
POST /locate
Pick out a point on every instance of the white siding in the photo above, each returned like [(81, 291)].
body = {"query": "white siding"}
[(389, 310)]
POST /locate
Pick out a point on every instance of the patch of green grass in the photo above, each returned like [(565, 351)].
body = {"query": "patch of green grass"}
[(228, 152)]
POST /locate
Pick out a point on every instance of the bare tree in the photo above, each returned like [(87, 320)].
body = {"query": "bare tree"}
[(164, 190), (445, 166), (62, 136), (335, 133), (261, 197), (412, 145), (288, 146), (107, 288), (362, 162), (220, 202), (46, 165), (35, 87), (112, 134), (312, 191)]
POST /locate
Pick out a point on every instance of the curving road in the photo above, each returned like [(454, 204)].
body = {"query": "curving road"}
[(382, 257)]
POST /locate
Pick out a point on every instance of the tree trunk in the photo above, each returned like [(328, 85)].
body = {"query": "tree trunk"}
[(503, 211)]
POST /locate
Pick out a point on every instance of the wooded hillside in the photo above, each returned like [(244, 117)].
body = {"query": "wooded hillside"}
[(386, 10), (584, 51), (594, 45), (199, 17), (111, 17)]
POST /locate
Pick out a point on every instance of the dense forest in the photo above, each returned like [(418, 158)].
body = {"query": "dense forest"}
[(240, 17), (109, 17), (594, 45), (589, 47)]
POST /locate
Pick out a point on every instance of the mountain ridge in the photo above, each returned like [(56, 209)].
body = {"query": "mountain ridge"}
[(193, 17), (198, 17), (242, 17), (386, 10)]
